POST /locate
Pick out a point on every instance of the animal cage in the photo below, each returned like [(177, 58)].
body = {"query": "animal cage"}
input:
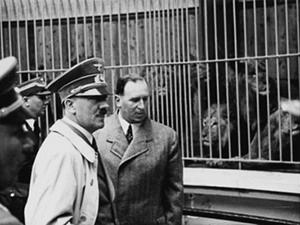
[(218, 69)]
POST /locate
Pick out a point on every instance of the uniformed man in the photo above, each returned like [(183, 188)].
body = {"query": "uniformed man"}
[(35, 96), (63, 186), (13, 138)]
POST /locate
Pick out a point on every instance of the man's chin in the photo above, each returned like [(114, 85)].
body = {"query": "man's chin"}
[(140, 118)]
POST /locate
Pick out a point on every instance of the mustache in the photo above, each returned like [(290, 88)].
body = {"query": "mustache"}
[(103, 111)]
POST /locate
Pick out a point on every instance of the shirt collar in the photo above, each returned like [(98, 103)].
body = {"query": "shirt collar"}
[(125, 124), (30, 122), (87, 134)]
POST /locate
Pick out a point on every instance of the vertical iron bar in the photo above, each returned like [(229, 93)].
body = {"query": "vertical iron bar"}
[(93, 28), (178, 58), (166, 34), (52, 60), (217, 75), (197, 12), (278, 78), (267, 73), (19, 45), (246, 76), (237, 78), (288, 74), (174, 71), (128, 36), (257, 84), (9, 36), (160, 72), (76, 32), (161, 47), (137, 34), (146, 28), (208, 72), (102, 28), (69, 40), (182, 83), (152, 70), (85, 32), (112, 59), (226, 77), (61, 65), (120, 36), (169, 68), (190, 148), (157, 116)]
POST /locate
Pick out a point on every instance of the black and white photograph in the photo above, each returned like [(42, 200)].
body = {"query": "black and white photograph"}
[(149, 112)]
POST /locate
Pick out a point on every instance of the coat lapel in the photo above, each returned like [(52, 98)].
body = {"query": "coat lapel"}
[(84, 148), (116, 137), (140, 142), (119, 144)]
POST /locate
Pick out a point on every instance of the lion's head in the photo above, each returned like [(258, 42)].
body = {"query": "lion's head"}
[(217, 127)]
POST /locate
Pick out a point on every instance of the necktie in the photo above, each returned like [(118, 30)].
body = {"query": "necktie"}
[(129, 135)]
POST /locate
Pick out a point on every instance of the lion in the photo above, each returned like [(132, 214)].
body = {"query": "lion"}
[(218, 131), (290, 127)]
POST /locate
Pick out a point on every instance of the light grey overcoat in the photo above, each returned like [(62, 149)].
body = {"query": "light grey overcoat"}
[(64, 187)]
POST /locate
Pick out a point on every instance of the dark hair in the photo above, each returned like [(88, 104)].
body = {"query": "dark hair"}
[(122, 81)]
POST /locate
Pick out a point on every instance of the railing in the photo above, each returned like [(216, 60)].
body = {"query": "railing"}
[(251, 197)]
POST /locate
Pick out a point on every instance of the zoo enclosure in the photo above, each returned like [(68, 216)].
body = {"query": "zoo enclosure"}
[(193, 53)]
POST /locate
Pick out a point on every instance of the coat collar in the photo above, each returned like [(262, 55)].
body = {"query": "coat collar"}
[(80, 144), (120, 147)]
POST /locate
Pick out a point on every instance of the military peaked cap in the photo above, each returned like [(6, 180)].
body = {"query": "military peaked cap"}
[(84, 79), (36, 86), (10, 99)]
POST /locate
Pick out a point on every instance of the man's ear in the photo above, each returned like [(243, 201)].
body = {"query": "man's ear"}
[(70, 106), (118, 100)]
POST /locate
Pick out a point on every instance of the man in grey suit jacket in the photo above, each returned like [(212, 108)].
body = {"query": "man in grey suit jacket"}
[(144, 163)]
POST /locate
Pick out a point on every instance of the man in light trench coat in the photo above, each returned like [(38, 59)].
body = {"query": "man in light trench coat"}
[(64, 185)]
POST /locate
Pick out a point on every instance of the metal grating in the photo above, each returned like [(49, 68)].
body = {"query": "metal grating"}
[(218, 68)]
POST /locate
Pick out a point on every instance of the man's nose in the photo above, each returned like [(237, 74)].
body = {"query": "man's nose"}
[(141, 104)]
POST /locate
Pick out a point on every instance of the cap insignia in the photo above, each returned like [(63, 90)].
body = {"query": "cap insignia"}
[(100, 78), (99, 67)]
